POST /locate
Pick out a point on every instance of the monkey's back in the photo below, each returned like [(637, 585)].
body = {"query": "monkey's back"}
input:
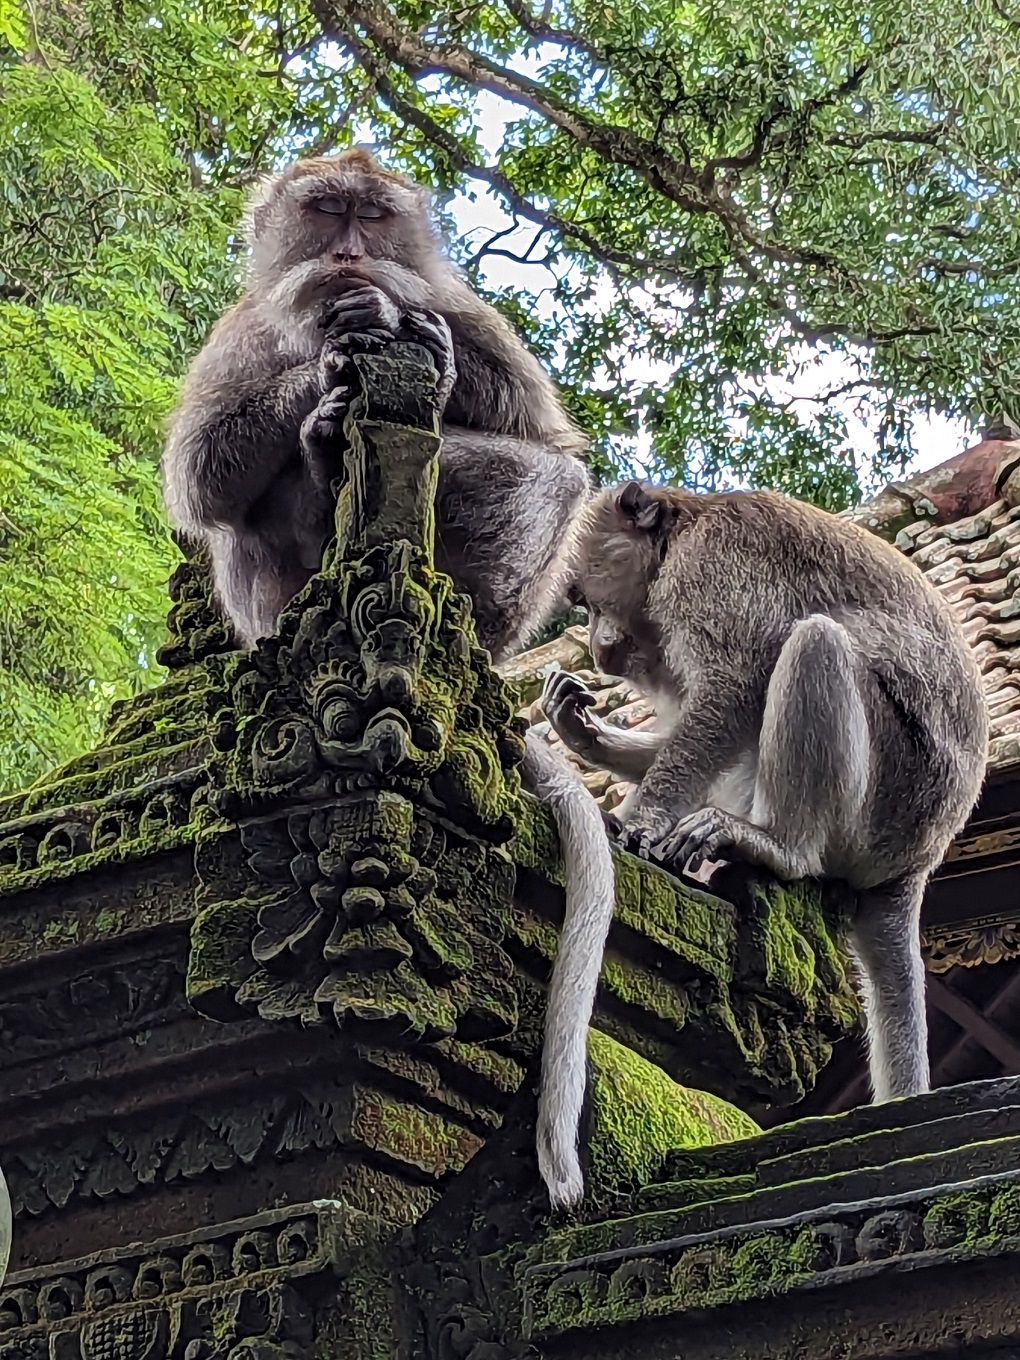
[(765, 562)]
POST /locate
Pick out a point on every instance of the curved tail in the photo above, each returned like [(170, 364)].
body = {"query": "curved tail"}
[(590, 901)]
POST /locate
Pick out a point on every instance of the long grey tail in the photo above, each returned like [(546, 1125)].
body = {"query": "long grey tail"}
[(885, 937), (590, 902)]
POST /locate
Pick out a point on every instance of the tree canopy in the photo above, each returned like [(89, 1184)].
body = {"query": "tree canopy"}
[(725, 192)]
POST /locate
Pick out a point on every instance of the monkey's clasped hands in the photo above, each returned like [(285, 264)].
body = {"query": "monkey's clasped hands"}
[(366, 319)]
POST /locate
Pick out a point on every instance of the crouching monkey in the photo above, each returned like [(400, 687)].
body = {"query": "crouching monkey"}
[(823, 715)]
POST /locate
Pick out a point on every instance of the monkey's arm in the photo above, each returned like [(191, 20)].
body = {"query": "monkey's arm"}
[(626, 755), (713, 727), (500, 385), (230, 441)]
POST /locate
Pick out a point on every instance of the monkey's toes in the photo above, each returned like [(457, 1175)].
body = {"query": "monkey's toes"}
[(640, 838), (704, 835), (613, 825)]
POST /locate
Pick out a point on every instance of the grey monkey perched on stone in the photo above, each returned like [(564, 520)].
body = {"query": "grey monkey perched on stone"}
[(342, 252), (822, 715), (343, 255)]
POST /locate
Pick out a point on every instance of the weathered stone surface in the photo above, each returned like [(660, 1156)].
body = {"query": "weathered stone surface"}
[(250, 1289), (746, 1248), (892, 1231)]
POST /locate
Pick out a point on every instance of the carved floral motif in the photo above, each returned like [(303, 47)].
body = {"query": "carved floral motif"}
[(969, 946), (833, 1246), (230, 1293)]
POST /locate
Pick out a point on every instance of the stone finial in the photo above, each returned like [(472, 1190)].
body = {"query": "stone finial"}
[(369, 790)]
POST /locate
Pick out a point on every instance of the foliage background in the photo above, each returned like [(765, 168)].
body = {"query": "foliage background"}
[(742, 195)]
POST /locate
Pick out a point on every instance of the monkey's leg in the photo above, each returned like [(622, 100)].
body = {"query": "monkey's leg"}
[(713, 728), (814, 760), (506, 515), (252, 584), (885, 938)]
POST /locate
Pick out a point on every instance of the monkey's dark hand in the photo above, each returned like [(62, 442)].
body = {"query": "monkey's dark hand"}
[(363, 319), (565, 702), (645, 830), (322, 438), (432, 331)]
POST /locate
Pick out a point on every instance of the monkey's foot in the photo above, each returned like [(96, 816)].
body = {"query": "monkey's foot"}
[(645, 830), (613, 825), (712, 834)]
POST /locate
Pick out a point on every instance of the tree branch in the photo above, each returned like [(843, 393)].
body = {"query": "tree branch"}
[(540, 29), (663, 172), (615, 260)]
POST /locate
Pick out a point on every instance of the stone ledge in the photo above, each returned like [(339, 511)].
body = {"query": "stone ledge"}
[(742, 1237)]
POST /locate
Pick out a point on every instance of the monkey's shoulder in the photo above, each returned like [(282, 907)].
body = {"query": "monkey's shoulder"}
[(252, 336), (782, 544)]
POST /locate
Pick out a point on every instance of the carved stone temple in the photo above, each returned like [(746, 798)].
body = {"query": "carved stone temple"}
[(272, 965)]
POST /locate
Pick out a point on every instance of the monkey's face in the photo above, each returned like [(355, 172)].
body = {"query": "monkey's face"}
[(613, 649), (615, 566), (344, 214)]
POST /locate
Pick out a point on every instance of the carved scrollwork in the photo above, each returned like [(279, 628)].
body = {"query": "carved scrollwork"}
[(970, 946), (890, 1234), (205, 1301), (195, 627), (762, 1261)]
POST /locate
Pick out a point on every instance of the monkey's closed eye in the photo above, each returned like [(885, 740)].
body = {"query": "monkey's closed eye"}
[(329, 203), (371, 212)]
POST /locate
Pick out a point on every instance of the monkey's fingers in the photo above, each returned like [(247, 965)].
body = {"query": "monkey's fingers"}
[(431, 330), (362, 309), (563, 687), (367, 337), (705, 835), (637, 842)]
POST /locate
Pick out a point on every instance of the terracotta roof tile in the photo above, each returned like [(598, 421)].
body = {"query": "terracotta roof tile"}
[(975, 563)]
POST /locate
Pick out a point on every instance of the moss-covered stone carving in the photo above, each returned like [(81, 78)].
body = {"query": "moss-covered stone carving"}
[(369, 778)]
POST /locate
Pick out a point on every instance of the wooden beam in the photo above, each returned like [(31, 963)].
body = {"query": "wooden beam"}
[(991, 1010), (999, 1044)]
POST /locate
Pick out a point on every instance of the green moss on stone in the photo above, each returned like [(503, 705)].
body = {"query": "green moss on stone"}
[(640, 1115), (1004, 1214), (956, 1220), (410, 1134)]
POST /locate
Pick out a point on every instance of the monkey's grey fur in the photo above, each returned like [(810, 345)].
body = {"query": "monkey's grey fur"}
[(823, 712), (343, 254)]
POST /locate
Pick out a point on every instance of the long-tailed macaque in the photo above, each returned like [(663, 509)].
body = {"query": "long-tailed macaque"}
[(343, 252), (343, 255), (822, 715)]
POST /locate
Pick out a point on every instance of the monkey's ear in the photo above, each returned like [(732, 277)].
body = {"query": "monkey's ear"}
[(638, 509)]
